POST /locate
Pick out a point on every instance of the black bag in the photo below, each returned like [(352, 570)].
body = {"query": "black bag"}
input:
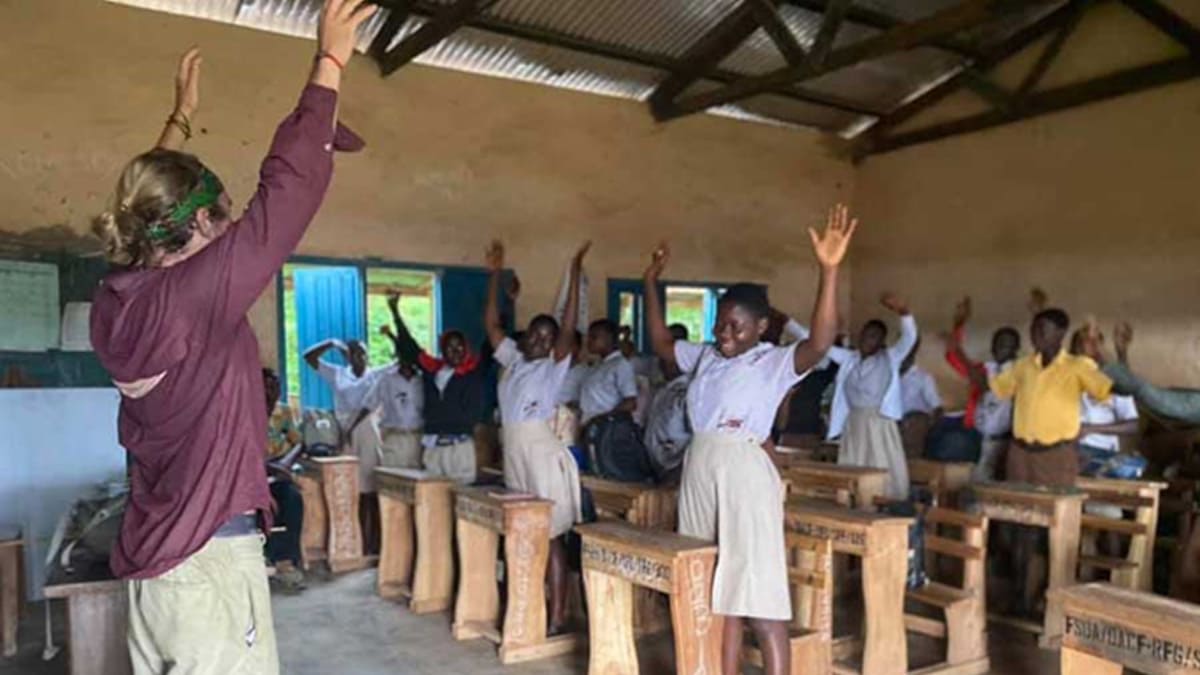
[(615, 450)]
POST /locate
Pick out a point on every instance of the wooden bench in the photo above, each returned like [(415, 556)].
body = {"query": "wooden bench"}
[(416, 512), (11, 593), (1109, 628), (1059, 511), (618, 556), (483, 515), (1141, 499), (97, 620), (963, 603), (331, 532), (881, 541), (944, 480), (810, 582), (853, 486)]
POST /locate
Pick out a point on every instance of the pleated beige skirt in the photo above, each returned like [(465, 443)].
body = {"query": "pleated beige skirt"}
[(536, 461), (870, 439), (731, 493), (566, 424)]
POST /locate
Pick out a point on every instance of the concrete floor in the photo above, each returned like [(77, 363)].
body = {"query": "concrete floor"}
[(343, 628)]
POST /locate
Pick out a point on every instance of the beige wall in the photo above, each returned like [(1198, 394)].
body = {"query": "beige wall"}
[(1097, 205), (454, 159)]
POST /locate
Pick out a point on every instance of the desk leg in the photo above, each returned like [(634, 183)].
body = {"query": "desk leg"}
[(868, 489), (610, 628), (526, 553), (98, 623), (10, 592), (885, 650), (314, 534), (1064, 558), (1079, 663), (698, 630), (478, 601), (433, 582), (396, 546), (345, 532)]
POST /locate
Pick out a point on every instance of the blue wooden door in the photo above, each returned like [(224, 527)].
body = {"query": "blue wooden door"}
[(329, 304)]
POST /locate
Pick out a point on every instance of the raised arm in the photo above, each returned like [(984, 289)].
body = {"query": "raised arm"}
[(178, 127), (491, 311), (407, 349), (908, 327), (661, 340), (313, 356), (565, 346), (830, 248)]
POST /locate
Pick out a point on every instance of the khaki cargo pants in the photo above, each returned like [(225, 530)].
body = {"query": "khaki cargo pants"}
[(209, 615)]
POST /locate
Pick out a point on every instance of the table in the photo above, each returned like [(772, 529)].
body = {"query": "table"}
[(97, 619), (861, 484), (618, 556), (483, 515), (332, 533), (416, 512), (881, 541), (11, 593), (1108, 628), (1059, 511)]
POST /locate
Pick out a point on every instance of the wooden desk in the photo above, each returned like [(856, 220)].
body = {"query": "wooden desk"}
[(1136, 570), (97, 621), (331, 531), (1059, 511), (412, 500), (618, 556), (853, 486), (11, 593), (482, 516), (1110, 628), (945, 479), (882, 543)]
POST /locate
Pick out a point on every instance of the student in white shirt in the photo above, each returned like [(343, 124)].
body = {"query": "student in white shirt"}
[(1103, 424), (866, 402), (399, 395), (668, 430), (535, 460), (921, 402), (728, 476), (609, 386), (566, 418)]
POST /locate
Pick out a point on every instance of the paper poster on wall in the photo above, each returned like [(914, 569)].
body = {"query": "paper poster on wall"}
[(29, 305), (76, 330)]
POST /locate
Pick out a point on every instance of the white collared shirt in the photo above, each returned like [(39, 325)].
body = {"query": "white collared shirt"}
[(400, 401), (994, 415), (738, 395), (848, 359), (605, 385), (919, 392), (528, 389), (350, 392), (569, 391)]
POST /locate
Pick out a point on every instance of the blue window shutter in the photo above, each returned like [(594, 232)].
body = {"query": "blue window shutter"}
[(329, 304), (711, 296), (462, 295), (619, 287)]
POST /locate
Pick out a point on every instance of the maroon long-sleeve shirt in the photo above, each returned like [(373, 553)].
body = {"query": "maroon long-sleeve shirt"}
[(198, 439)]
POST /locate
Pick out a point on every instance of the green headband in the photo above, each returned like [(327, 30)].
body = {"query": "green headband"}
[(203, 195)]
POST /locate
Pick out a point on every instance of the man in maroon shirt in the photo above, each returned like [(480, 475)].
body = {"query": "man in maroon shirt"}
[(170, 327)]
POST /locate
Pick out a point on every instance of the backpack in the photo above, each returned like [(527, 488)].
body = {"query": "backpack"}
[(615, 450), (322, 433)]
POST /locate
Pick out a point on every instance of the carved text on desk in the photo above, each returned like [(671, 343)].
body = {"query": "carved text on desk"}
[(638, 569), (836, 535), (698, 596), (520, 572), (1030, 513), (1105, 637), (340, 489), (480, 513)]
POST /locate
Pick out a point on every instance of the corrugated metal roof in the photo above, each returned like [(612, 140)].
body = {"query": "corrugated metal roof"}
[(637, 42)]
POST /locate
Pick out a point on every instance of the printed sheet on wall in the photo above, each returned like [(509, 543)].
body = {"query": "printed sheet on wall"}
[(29, 305)]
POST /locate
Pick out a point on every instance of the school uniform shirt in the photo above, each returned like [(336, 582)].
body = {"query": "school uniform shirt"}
[(1115, 409), (350, 391), (400, 400), (889, 360), (605, 385), (993, 415), (569, 391), (736, 395), (668, 431), (528, 389), (1046, 397), (918, 392)]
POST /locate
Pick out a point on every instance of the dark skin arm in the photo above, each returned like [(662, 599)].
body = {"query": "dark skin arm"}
[(491, 312), (565, 345), (313, 358), (830, 248), (661, 340)]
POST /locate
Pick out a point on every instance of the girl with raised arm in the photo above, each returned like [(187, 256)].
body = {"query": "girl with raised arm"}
[(535, 460), (728, 477)]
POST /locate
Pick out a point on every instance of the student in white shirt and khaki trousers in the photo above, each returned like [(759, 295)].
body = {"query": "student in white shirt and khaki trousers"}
[(728, 475)]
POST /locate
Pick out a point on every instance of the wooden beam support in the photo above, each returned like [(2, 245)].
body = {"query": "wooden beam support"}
[(443, 23), (835, 13), (989, 91), (1121, 83), (865, 16), (703, 56), (1052, 50), (767, 15), (1168, 22), (398, 13), (962, 16)]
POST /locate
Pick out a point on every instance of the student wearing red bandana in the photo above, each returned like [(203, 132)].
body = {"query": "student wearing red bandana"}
[(453, 398)]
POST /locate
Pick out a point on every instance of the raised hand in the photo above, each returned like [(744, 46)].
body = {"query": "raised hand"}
[(187, 83), (1092, 342), (494, 256), (830, 245), (1037, 300), (393, 300), (337, 31), (894, 303), (1122, 338), (386, 331), (659, 258), (962, 312), (577, 261)]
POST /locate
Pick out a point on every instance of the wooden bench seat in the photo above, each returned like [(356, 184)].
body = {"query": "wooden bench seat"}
[(1106, 562), (939, 595), (1138, 501), (416, 519), (810, 582)]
